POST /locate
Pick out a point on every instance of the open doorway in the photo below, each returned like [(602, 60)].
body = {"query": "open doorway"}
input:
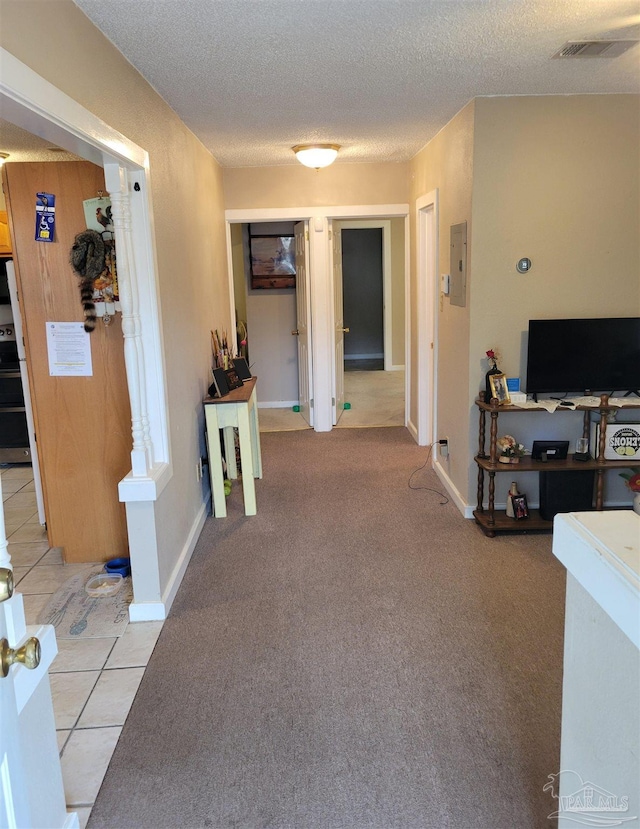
[(363, 298), (372, 265), (30, 103), (320, 222), (267, 310)]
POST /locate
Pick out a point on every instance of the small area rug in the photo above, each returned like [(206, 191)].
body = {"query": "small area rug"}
[(76, 615)]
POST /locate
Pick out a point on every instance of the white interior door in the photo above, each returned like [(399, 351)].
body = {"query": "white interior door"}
[(339, 328), (303, 322), (31, 788), (14, 803)]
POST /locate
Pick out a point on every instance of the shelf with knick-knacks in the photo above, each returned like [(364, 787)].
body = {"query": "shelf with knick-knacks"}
[(491, 520)]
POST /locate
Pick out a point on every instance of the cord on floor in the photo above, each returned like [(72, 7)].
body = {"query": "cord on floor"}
[(427, 488)]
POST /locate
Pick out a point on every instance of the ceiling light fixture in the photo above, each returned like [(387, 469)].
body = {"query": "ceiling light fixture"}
[(3, 158), (316, 155)]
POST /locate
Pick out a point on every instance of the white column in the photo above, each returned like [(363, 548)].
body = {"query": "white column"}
[(117, 185)]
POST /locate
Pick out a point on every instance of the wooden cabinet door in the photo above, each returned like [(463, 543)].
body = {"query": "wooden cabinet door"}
[(5, 239), (83, 424)]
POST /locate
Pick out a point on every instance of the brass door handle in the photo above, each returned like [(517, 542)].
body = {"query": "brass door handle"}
[(346, 330), (295, 332), (6, 584), (28, 655)]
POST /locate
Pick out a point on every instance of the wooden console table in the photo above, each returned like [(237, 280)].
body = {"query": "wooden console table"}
[(238, 409)]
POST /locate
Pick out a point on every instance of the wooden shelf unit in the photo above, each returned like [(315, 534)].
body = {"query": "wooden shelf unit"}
[(491, 520)]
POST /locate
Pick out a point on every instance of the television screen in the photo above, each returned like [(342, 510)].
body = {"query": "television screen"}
[(584, 355)]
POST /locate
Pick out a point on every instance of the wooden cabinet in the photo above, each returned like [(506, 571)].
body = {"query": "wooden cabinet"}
[(491, 520), (82, 424), (5, 237)]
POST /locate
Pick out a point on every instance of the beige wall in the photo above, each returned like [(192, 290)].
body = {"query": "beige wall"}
[(446, 164), (58, 42), (556, 179), (552, 178), (298, 186)]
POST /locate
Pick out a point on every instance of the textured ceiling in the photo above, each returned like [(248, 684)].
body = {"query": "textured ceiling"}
[(23, 146), (251, 78)]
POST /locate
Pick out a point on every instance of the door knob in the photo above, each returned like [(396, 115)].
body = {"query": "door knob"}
[(346, 330), (295, 332), (6, 584), (28, 654)]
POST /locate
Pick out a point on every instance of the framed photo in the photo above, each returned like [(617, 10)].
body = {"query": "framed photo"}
[(520, 508), (499, 388), (273, 261)]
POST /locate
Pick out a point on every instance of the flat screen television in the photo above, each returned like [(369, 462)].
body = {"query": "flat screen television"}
[(584, 356)]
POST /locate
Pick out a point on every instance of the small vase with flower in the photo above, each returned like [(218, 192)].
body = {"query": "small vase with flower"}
[(632, 480), (510, 451)]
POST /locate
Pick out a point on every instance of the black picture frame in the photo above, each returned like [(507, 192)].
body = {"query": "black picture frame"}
[(242, 368), (220, 383), (549, 450), (272, 261), (233, 381), (520, 507)]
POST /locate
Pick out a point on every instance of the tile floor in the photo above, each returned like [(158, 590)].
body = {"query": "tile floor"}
[(376, 397), (93, 681)]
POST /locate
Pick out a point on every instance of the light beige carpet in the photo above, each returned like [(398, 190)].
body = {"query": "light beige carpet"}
[(355, 656)]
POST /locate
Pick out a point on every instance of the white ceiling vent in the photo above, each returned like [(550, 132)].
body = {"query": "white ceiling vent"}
[(594, 48)]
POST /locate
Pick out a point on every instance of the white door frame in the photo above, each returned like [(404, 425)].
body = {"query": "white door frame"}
[(321, 286), (303, 323), (32, 103), (387, 293), (426, 316)]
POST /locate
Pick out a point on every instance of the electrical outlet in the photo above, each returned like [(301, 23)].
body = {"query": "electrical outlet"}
[(444, 447)]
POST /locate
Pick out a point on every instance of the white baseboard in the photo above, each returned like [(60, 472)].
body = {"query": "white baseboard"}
[(396, 368), (453, 491), (364, 356), (147, 612), (158, 611), (413, 430), (277, 404)]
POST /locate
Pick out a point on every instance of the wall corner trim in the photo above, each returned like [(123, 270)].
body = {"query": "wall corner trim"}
[(147, 487), (157, 611)]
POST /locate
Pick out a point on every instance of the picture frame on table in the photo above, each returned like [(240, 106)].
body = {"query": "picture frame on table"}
[(520, 506), (499, 389)]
